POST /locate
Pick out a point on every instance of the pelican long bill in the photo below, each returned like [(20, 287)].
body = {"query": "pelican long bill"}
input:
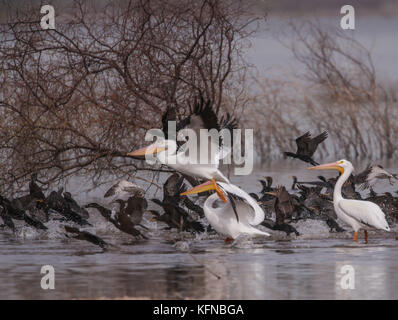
[(151, 149), (207, 186), (328, 166)]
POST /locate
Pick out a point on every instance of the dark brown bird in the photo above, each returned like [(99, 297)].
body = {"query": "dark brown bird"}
[(321, 183), (57, 202), (17, 214), (175, 215), (86, 236), (306, 147), (74, 205), (34, 190), (283, 205), (284, 210), (371, 175), (34, 199), (123, 219)]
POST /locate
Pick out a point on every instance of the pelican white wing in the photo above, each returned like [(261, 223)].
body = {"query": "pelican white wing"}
[(223, 219), (258, 214), (365, 212)]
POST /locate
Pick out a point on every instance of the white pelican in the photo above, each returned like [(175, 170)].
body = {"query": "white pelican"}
[(236, 217), (358, 214), (179, 161), (167, 152)]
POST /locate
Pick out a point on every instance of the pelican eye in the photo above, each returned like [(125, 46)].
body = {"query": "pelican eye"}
[(341, 162)]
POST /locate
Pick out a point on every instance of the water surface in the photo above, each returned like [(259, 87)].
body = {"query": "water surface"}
[(174, 266)]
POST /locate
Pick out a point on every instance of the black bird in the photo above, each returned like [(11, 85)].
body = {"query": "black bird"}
[(32, 200), (172, 189), (58, 203), (318, 206), (306, 147), (86, 236), (388, 203), (371, 175), (135, 208), (174, 214), (124, 190), (123, 220), (176, 217), (34, 190), (285, 227), (283, 205), (202, 116), (266, 187), (321, 183), (74, 206), (267, 184), (18, 214), (7, 221), (284, 210)]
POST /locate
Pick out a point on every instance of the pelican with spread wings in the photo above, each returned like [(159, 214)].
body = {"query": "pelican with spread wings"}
[(170, 153), (230, 218)]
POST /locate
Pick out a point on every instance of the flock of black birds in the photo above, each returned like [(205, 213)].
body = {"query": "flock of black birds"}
[(308, 200)]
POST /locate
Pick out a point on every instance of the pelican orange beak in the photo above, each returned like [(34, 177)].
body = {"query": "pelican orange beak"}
[(207, 186), (328, 166), (271, 193), (151, 149)]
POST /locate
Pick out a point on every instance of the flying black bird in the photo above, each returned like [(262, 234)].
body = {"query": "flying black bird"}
[(371, 175), (74, 206), (306, 147), (124, 190), (172, 189), (202, 116), (7, 221), (174, 214), (321, 183), (18, 214), (284, 209), (31, 200), (57, 202), (86, 236), (125, 217)]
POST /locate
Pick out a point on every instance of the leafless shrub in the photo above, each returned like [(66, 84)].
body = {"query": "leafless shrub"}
[(337, 91), (75, 99)]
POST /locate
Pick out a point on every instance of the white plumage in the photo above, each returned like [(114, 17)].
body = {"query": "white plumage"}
[(363, 214), (221, 216), (358, 214), (166, 152)]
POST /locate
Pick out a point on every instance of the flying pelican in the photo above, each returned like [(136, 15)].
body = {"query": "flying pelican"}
[(169, 153), (306, 147), (222, 216), (358, 214)]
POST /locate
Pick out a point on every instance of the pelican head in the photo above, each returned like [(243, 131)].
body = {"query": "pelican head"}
[(209, 185), (341, 165), (159, 146)]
